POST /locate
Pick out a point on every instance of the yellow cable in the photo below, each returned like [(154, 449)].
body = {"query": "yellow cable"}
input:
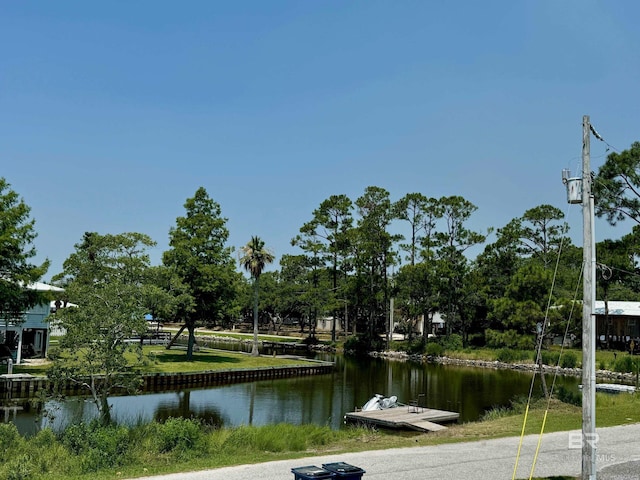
[(535, 457), (538, 355), (524, 424), (553, 385)]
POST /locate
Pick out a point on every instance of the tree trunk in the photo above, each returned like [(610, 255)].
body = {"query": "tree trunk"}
[(192, 340), (254, 349), (176, 336), (105, 410), (543, 380)]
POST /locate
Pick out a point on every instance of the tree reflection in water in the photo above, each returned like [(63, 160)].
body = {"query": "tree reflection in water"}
[(317, 399), (168, 408)]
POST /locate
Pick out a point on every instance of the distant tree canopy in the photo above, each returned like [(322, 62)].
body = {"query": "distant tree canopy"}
[(616, 187), (355, 255), (17, 233)]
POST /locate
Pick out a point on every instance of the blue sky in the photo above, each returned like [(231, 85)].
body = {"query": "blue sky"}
[(113, 113)]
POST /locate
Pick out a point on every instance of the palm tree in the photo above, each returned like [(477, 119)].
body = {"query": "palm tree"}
[(255, 257)]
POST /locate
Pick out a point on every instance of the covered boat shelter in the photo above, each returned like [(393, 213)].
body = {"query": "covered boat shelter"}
[(618, 325)]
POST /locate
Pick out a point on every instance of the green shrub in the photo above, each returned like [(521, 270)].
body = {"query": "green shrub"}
[(452, 342), (49, 455), (569, 360), (417, 346), (567, 395), (363, 344), (74, 437), (519, 404), (510, 355), (179, 434), (626, 364), (434, 349), (506, 355), (20, 468), (43, 439), (509, 339), (398, 346), (10, 441), (97, 446), (548, 357)]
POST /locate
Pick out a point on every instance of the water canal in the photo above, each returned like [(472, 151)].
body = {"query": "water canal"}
[(321, 399)]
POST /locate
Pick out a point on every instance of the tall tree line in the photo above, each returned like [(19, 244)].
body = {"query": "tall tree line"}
[(356, 254)]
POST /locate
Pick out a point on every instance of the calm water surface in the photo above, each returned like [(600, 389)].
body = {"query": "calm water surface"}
[(321, 399)]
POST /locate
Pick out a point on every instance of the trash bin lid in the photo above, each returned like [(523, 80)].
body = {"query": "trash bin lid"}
[(341, 467), (312, 471)]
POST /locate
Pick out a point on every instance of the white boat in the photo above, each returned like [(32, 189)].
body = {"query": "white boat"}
[(380, 402)]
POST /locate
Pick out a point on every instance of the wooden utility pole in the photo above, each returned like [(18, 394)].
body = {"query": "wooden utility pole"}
[(579, 191), (589, 438)]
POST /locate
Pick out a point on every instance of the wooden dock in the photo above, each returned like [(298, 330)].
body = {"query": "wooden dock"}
[(408, 417)]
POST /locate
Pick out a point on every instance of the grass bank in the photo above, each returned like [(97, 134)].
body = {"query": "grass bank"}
[(609, 360), (161, 360), (158, 359), (180, 445)]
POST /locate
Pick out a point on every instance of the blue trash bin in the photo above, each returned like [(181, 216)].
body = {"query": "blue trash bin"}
[(344, 471), (312, 472)]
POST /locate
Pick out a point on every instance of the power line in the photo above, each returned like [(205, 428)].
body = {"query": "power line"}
[(599, 137), (621, 270)]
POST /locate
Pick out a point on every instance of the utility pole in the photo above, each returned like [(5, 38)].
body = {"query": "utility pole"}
[(589, 438), (579, 192)]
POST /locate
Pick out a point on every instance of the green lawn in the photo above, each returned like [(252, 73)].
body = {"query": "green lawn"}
[(162, 360)]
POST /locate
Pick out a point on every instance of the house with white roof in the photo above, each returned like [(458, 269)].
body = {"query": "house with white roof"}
[(29, 335)]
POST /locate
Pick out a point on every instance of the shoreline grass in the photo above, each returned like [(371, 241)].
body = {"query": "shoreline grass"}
[(182, 445)]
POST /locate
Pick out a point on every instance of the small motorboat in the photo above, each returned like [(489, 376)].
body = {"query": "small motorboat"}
[(380, 402)]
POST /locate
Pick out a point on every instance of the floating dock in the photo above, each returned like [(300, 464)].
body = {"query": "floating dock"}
[(613, 388), (421, 419)]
